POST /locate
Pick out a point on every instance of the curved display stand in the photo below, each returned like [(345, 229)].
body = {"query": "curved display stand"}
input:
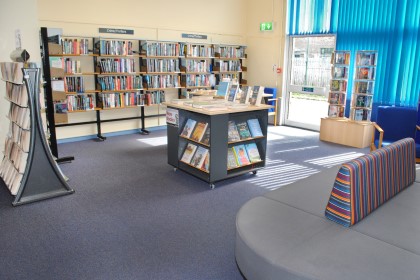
[(42, 179)]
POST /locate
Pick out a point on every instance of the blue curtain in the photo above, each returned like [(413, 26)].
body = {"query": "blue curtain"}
[(392, 27)]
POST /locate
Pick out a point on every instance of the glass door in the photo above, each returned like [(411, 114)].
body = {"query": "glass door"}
[(308, 80)]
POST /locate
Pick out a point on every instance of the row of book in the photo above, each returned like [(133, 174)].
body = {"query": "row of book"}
[(194, 65), (339, 72), (197, 131), (120, 82), (17, 94), (80, 102), (229, 65), (340, 57), (360, 100), (338, 85), (15, 154), (244, 130), (161, 65), (191, 50), (69, 65), (11, 177), (229, 51), (125, 99), (361, 114), (161, 81), (366, 58), (336, 111), (242, 155), (159, 48), (116, 65), (114, 47), (197, 156), (20, 116), (75, 46), (19, 136), (365, 73), (337, 98), (74, 84), (199, 80)]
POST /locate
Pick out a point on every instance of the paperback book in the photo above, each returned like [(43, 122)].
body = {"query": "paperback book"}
[(233, 90), (245, 93), (243, 130), (241, 155), (231, 159), (256, 95), (252, 151), (222, 89), (206, 163), (206, 137), (188, 153), (199, 157), (188, 128), (233, 134), (200, 129), (255, 128)]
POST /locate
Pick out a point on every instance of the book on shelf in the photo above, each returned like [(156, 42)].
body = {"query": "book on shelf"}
[(366, 58), (188, 153), (364, 87), (200, 129), (231, 159), (233, 134), (199, 157), (206, 137), (338, 85), (335, 111), (254, 127), (60, 107), (361, 115), (256, 95), (337, 98), (233, 90), (340, 57), (222, 89), (245, 93), (339, 72), (57, 85), (363, 101), (206, 163), (241, 155), (188, 128), (243, 130), (253, 153), (365, 73)]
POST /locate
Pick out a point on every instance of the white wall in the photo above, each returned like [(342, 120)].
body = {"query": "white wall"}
[(22, 15)]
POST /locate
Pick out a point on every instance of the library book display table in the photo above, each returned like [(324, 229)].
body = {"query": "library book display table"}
[(214, 145), (346, 132)]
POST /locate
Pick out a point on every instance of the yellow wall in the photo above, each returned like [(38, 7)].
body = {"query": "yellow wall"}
[(22, 15), (223, 21)]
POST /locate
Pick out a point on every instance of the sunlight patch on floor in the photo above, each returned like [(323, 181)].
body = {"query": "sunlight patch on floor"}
[(330, 161), (297, 149), (277, 175), (156, 141)]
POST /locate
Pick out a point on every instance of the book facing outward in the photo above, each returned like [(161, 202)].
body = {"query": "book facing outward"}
[(256, 95), (243, 130), (241, 155), (252, 151), (206, 163), (188, 153), (245, 93), (255, 128), (206, 137), (233, 90), (200, 129), (188, 128), (222, 89), (199, 157), (233, 134), (231, 159)]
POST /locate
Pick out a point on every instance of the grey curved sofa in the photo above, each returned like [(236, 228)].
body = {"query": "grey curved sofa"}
[(284, 234)]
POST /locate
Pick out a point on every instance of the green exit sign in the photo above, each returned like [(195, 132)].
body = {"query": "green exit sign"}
[(266, 26)]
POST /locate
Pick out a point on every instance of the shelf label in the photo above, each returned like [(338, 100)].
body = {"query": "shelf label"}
[(194, 36), (308, 89), (116, 31), (172, 116)]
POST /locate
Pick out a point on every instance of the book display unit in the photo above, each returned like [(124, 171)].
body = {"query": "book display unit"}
[(28, 168), (217, 145), (340, 61), (363, 85)]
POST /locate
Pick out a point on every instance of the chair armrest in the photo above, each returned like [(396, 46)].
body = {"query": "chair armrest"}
[(381, 137)]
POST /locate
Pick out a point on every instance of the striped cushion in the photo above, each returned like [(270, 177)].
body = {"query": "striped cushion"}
[(365, 183)]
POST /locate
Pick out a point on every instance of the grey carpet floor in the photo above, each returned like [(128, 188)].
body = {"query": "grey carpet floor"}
[(133, 217)]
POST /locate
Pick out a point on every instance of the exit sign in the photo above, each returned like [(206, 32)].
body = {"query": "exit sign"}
[(266, 26)]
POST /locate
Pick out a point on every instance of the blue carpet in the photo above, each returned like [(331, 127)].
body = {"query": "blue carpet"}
[(133, 217)]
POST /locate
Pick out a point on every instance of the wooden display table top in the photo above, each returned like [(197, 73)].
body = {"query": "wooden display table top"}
[(227, 110)]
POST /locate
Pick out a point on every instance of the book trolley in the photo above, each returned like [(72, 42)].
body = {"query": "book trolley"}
[(218, 144), (28, 168)]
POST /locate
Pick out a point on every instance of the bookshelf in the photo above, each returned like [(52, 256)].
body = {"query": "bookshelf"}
[(92, 74), (218, 143), (340, 62), (28, 168), (363, 85), (229, 62)]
